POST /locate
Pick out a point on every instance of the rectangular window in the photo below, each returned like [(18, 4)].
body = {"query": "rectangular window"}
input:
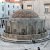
[(2, 15), (29, 7), (8, 12), (2, 8), (13, 6), (8, 6), (47, 8)]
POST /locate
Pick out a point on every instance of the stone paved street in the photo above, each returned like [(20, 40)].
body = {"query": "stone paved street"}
[(15, 46)]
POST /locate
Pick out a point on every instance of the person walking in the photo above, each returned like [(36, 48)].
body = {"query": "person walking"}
[(38, 48), (2, 25)]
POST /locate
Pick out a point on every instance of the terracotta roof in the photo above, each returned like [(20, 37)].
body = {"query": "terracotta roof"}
[(24, 14)]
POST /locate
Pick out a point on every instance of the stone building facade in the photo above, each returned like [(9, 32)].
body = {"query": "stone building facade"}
[(7, 9), (41, 7)]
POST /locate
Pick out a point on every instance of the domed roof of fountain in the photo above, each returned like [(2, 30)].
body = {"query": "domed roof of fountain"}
[(25, 14)]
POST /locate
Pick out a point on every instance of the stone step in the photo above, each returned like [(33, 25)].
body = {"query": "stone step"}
[(18, 41)]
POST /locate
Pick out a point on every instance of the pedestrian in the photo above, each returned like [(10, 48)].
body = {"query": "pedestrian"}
[(2, 25), (38, 48)]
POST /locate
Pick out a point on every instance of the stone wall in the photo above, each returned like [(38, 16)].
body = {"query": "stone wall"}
[(40, 36), (25, 37), (18, 37)]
